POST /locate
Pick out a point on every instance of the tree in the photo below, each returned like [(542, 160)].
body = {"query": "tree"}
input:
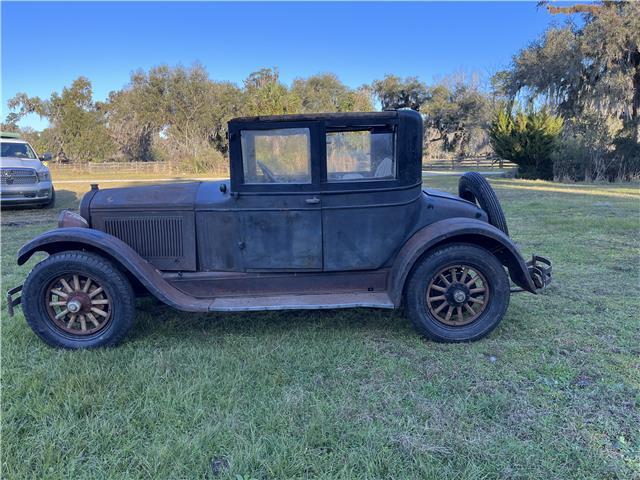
[(587, 70), (528, 139), (77, 131), (175, 111), (394, 92), (264, 94), (125, 125), (457, 114), (326, 93)]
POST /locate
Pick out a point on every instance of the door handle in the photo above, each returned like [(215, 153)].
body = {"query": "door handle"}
[(313, 200)]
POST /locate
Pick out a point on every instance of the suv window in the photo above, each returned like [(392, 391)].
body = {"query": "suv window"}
[(361, 155), (20, 150), (276, 156)]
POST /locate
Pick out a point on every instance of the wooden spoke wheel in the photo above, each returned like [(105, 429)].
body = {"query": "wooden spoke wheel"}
[(457, 295), (77, 303)]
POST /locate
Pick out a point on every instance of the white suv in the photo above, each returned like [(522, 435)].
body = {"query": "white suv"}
[(24, 178)]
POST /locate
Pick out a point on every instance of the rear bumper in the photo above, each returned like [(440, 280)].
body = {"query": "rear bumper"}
[(13, 302), (540, 271)]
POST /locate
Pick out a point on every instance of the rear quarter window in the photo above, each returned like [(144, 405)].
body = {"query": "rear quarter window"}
[(361, 155)]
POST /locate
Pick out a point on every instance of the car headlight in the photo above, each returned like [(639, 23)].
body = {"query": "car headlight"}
[(43, 176), (71, 219)]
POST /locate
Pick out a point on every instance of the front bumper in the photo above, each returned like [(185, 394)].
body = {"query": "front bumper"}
[(35, 193)]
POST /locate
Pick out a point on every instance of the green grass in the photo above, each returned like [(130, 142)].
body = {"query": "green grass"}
[(553, 393)]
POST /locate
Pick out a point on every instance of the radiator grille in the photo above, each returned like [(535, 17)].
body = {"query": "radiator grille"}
[(149, 236), (18, 176)]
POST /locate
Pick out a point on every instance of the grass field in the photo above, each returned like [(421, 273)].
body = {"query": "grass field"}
[(553, 393)]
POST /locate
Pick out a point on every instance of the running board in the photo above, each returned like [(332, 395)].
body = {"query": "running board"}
[(301, 302)]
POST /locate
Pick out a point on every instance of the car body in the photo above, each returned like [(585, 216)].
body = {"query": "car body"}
[(24, 178), (321, 211)]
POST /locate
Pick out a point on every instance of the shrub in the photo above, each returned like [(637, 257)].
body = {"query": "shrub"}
[(626, 158), (597, 148), (528, 139)]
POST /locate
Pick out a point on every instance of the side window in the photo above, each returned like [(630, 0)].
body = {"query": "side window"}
[(276, 156), (361, 155)]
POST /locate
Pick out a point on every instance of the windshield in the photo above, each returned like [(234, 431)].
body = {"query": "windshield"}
[(20, 150)]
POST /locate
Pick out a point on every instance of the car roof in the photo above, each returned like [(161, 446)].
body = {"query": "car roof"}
[(309, 117), (9, 135), (13, 140)]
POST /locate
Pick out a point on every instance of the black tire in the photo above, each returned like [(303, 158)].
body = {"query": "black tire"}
[(52, 201), (475, 188), (428, 268), (116, 287)]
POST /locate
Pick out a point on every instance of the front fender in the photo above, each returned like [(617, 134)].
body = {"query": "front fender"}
[(115, 250), (465, 230)]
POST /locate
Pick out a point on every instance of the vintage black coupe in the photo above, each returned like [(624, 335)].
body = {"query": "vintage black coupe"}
[(321, 211)]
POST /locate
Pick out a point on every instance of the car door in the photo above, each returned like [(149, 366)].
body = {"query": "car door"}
[(274, 182), (370, 204)]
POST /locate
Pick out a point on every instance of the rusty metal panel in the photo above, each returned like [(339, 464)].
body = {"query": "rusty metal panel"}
[(224, 284), (281, 239), (218, 234), (301, 302)]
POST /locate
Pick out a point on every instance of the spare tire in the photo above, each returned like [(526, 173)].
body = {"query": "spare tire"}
[(474, 187)]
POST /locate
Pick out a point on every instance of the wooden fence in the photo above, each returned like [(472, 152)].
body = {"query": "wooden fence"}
[(476, 163)]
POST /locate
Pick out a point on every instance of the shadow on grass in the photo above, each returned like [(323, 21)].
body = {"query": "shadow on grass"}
[(158, 320), (35, 213)]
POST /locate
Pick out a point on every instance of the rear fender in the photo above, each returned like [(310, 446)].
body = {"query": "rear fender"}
[(454, 230), (118, 252)]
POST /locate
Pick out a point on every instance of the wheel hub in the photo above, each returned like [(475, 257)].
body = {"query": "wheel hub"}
[(74, 306), (78, 304), (457, 295)]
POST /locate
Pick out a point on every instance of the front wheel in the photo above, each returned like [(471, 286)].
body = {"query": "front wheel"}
[(78, 300), (52, 200), (457, 293)]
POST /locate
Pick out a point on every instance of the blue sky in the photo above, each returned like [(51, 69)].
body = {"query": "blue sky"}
[(45, 46)]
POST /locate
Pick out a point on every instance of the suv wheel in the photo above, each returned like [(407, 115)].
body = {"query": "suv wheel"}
[(78, 300), (457, 293)]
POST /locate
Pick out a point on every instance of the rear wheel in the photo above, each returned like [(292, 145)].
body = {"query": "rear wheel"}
[(78, 300), (457, 293)]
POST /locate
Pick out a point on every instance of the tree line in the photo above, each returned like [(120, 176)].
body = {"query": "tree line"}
[(180, 114), (567, 107)]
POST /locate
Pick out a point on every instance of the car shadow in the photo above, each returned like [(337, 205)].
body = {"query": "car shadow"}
[(23, 215), (64, 199), (163, 322)]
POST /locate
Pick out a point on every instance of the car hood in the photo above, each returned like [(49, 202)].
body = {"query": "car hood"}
[(169, 196), (163, 197), (17, 162)]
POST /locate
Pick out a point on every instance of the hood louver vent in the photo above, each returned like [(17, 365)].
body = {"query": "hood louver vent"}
[(151, 237)]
